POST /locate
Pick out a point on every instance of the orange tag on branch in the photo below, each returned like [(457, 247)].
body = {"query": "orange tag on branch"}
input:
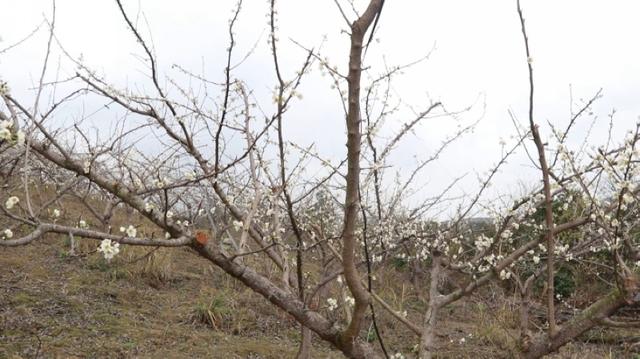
[(202, 237)]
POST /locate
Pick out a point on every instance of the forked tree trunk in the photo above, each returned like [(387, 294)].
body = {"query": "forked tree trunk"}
[(349, 337), (525, 302), (285, 300), (587, 319)]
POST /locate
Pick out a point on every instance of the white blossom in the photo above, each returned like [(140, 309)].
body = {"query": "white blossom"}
[(11, 201), (8, 233), (350, 301), (5, 134), (504, 274), (109, 248), (333, 304), (536, 259), (131, 230), (483, 242), (148, 207)]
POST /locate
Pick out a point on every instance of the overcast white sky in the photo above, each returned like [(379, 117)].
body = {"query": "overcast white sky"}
[(478, 57)]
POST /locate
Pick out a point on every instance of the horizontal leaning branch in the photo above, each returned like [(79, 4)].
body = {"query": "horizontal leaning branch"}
[(44, 228)]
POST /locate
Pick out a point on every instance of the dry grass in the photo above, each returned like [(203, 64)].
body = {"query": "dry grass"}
[(54, 305), (160, 302)]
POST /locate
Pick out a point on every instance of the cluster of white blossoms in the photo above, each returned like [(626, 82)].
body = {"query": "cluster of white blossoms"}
[(535, 259), (109, 248), (397, 356), (349, 301), (7, 134), (504, 274), (483, 242), (11, 201), (5, 130), (332, 304), (130, 231), (7, 234), (489, 261)]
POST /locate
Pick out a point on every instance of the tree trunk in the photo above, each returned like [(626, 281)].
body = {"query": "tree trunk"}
[(304, 351), (288, 302), (430, 318), (525, 302), (352, 200), (584, 321)]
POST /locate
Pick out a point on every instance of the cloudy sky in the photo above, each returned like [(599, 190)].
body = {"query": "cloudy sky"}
[(476, 57)]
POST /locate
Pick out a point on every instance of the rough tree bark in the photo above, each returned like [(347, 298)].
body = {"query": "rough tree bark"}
[(352, 277), (587, 319), (430, 319)]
